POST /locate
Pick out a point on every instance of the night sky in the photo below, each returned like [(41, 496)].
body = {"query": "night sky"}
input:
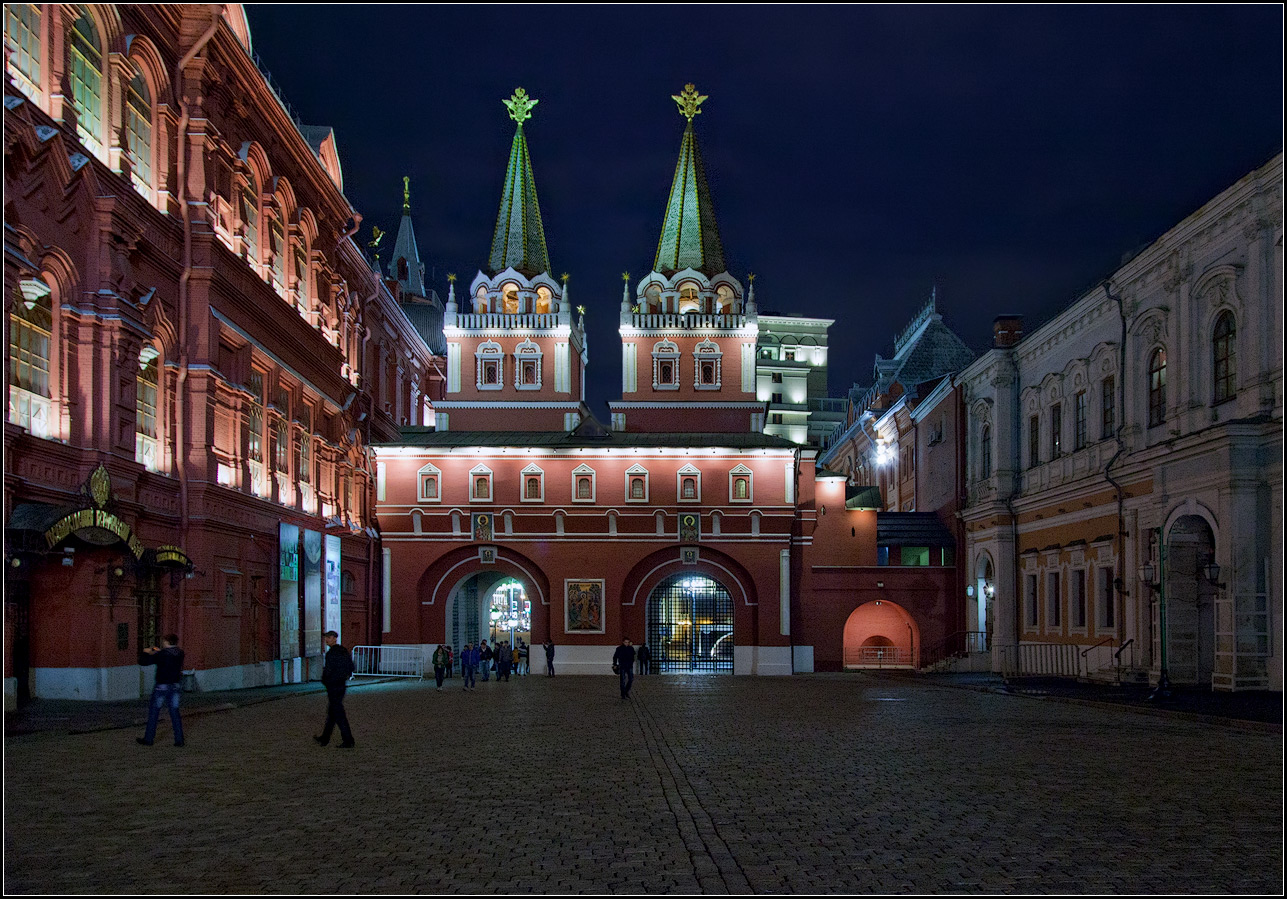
[(857, 156)]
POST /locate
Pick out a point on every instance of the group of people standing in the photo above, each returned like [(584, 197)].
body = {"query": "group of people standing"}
[(503, 658)]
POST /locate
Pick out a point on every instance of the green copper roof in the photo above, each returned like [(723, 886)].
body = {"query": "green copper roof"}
[(689, 235), (519, 241)]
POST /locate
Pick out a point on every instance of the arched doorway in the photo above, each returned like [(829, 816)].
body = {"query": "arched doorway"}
[(690, 626), (979, 609), (488, 606), (1190, 602), (880, 634)]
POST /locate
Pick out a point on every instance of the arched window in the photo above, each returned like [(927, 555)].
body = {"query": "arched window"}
[(689, 301), (22, 42), (1223, 358), (85, 71), (138, 132), (636, 488), (543, 300), (511, 304), (277, 256), (741, 488), (985, 452), (250, 219), (1157, 388), (583, 488), (302, 298), (30, 327), (688, 488), (482, 488), (532, 488), (148, 384)]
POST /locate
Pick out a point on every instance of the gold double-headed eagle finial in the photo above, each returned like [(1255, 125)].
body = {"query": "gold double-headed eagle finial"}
[(520, 105), (688, 102)]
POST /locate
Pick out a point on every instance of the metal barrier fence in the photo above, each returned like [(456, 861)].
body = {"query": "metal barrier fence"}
[(389, 661), (1039, 659), (878, 657)]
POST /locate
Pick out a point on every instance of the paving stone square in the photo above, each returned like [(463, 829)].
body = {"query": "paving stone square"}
[(812, 784)]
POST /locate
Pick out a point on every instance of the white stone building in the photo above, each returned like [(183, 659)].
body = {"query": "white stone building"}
[(1121, 448)]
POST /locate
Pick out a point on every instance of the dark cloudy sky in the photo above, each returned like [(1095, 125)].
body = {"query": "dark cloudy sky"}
[(857, 155)]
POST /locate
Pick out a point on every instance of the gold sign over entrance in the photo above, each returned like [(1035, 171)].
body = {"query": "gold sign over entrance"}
[(520, 105), (688, 102), (87, 520)]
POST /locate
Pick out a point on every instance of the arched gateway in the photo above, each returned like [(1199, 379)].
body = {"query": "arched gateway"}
[(690, 626)]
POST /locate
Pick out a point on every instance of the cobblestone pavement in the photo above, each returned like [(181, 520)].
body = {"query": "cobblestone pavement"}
[(821, 783)]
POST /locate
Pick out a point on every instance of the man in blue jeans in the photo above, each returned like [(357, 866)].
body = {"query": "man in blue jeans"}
[(169, 674)]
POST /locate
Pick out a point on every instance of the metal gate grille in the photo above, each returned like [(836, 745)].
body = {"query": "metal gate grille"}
[(690, 626)]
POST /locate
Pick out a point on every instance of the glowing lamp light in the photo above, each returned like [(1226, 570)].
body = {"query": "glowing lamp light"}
[(884, 453)]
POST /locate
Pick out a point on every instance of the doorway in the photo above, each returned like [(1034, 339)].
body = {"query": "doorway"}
[(690, 626)]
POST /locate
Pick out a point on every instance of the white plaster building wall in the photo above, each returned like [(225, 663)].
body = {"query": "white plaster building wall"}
[(1221, 457)]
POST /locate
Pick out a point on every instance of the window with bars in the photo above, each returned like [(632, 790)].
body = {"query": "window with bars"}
[(85, 72), (138, 132), (22, 46), (1223, 357)]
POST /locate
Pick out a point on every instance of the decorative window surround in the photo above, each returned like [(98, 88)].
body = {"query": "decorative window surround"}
[(694, 492), (527, 366), (741, 485), (665, 366), (490, 359), (480, 484), (429, 484), (707, 366), (532, 473), (636, 484), (583, 483)]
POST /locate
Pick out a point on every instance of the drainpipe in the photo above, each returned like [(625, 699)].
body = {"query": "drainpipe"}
[(1016, 429), (1119, 572), (180, 412)]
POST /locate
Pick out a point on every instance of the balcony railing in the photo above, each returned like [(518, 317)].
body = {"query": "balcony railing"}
[(660, 321), (484, 321)]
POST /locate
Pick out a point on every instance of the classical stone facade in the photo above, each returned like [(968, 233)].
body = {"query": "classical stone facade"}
[(200, 357), (1120, 448)]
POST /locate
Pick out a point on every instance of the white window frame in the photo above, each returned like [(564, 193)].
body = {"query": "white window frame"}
[(581, 471), (536, 471), (636, 471), (436, 473), (692, 471), (665, 351), (707, 352), (489, 351), (527, 351), (741, 471), (475, 473)]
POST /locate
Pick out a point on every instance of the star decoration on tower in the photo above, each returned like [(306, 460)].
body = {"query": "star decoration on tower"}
[(688, 102), (520, 105)]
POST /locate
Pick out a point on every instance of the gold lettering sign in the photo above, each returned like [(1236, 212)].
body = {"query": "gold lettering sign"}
[(90, 521)]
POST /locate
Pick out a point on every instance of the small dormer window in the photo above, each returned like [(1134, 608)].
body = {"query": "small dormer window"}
[(429, 484)]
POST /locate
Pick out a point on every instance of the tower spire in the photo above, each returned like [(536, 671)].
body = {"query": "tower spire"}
[(689, 235), (519, 239), (405, 264)]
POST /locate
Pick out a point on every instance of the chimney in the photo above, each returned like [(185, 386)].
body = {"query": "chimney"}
[(1007, 330)]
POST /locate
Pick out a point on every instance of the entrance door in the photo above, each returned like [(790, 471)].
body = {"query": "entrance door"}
[(690, 626)]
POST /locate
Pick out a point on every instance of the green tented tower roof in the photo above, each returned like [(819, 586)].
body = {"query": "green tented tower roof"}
[(519, 241), (689, 234)]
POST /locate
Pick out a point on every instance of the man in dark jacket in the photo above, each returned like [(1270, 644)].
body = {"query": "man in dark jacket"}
[(169, 673), (623, 662), (336, 671)]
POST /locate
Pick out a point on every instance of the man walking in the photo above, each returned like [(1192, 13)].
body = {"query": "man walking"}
[(469, 664), (645, 656), (623, 662), (485, 659), (336, 671), (165, 692)]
